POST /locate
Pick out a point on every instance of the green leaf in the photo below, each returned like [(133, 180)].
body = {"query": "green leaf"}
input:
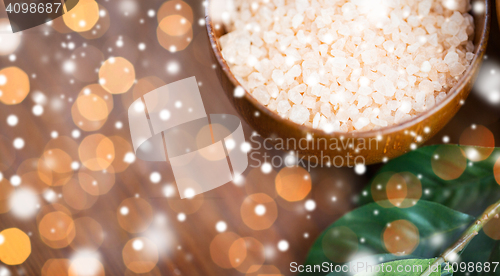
[(470, 193), (359, 233), (410, 267)]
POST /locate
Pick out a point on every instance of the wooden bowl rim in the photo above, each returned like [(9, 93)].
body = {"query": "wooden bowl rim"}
[(452, 94)]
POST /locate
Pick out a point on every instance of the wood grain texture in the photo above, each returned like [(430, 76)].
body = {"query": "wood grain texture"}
[(188, 252)]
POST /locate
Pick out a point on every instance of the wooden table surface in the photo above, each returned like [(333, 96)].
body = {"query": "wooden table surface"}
[(184, 246)]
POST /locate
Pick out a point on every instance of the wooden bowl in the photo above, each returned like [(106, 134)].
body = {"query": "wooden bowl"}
[(343, 149)]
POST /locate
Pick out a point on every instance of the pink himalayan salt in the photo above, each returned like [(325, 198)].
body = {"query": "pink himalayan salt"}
[(309, 102), (283, 107), (261, 95), (316, 120), (299, 114), (457, 69), (356, 69), (385, 86), (295, 94)]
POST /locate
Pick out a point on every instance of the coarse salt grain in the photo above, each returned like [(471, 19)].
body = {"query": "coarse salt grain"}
[(299, 114), (348, 65)]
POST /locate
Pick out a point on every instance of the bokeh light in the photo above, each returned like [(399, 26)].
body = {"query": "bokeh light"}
[(448, 162), (293, 183), (413, 188), (135, 215), (247, 254), (28, 171), (57, 229), (175, 25), (401, 237), (8, 41), (76, 197), (59, 25), (83, 16), (23, 203), (173, 43), (496, 170), (117, 75), (487, 85), (83, 123), (140, 255), (187, 205), (474, 137), (57, 267), (15, 246), (85, 263), (379, 189), (259, 211), (492, 229), (57, 160), (143, 86), (54, 207), (396, 190), (211, 153), (173, 7), (219, 248), (123, 150), (100, 27), (97, 182), (96, 152), (54, 166), (154, 272), (94, 103), (14, 85), (175, 31), (391, 189)]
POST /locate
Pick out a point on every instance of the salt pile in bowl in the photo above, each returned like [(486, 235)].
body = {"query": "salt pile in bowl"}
[(343, 65)]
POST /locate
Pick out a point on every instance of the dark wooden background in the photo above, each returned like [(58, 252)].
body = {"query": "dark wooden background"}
[(188, 250)]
